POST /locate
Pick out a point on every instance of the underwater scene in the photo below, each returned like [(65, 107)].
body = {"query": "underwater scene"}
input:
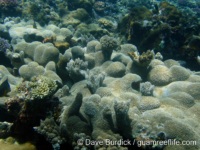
[(99, 75)]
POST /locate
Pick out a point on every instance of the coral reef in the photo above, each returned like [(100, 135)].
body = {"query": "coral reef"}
[(51, 39), (4, 85), (108, 43), (51, 131), (5, 129), (77, 69), (159, 31), (17, 59), (74, 121), (143, 59), (9, 8), (10, 144), (77, 52), (86, 4), (85, 39), (99, 7), (32, 103), (4, 45), (95, 79), (38, 88), (146, 89), (97, 71), (8, 3), (82, 136)]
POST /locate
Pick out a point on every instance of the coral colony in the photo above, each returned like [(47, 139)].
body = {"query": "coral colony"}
[(99, 75), (4, 45), (8, 3)]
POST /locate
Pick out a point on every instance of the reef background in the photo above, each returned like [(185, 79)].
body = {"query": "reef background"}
[(109, 69)]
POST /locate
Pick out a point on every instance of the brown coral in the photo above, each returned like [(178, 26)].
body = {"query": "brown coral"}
[(51, 39), (132, 55), (99, 7), (148, 56), (61, 46)]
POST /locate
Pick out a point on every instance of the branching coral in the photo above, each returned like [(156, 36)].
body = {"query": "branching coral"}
[(143, 59), (51, 131), (34, 102), (158, 56), (85, 39), (146, 89), (39, 88), (77, 69), (95, 80)]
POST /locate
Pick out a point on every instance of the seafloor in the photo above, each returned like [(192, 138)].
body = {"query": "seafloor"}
[(106, 75)]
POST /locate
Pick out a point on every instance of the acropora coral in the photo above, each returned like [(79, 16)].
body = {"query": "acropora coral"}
[(38, 88)]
